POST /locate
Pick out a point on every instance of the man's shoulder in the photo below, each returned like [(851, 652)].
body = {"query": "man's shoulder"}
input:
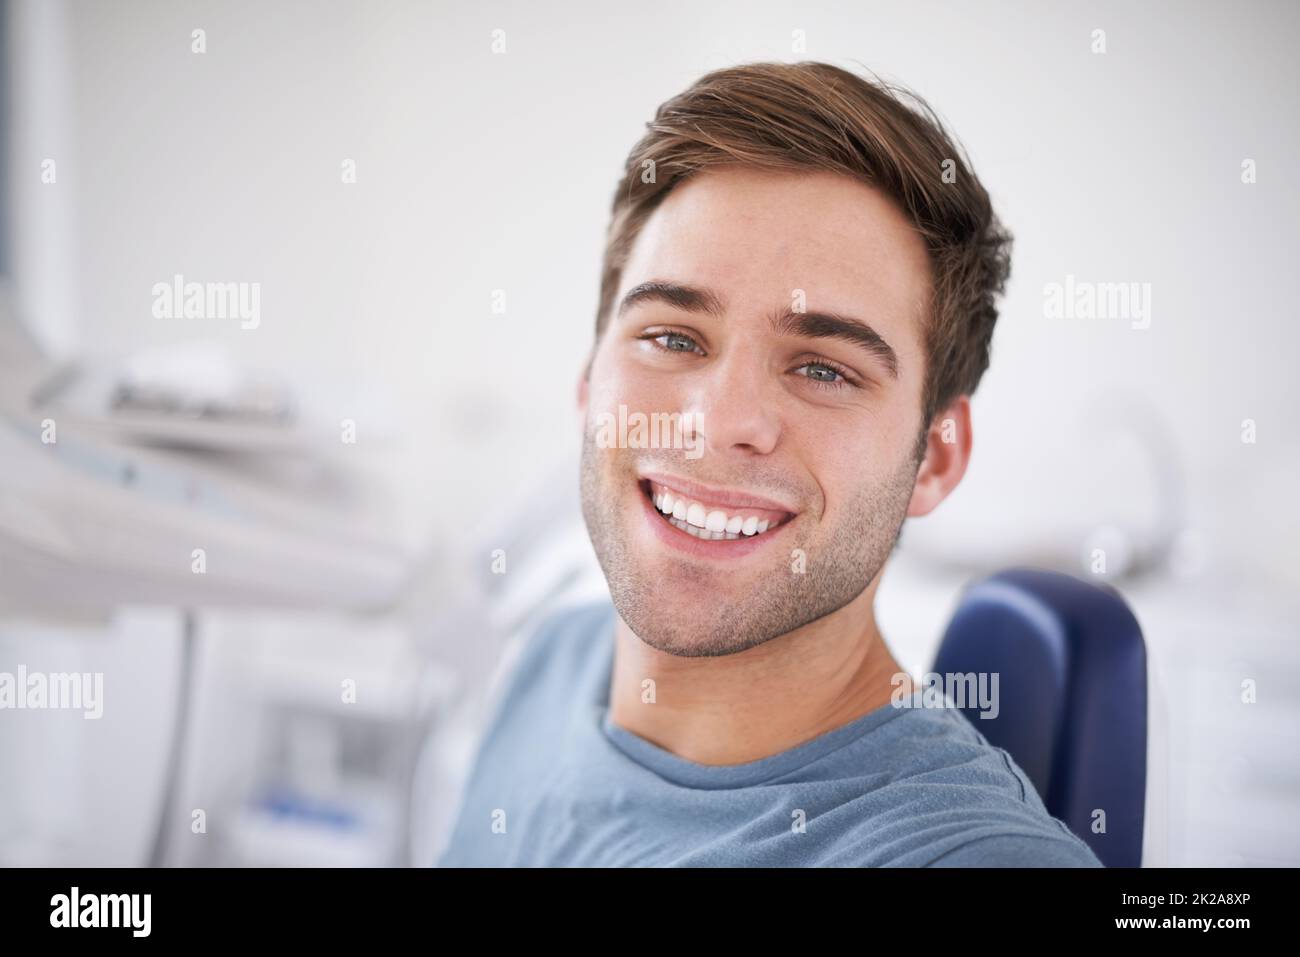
[(1049, 848), (965, 802), (545, 671), (548, 654), (567, 635)]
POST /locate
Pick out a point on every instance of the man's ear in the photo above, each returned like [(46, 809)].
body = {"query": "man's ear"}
[(947, 451)]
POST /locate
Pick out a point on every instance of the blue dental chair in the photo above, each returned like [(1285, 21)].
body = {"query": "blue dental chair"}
[(1072, 689)]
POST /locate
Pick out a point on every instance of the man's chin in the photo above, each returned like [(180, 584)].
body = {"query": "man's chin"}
[(692, 621), (682, 604)]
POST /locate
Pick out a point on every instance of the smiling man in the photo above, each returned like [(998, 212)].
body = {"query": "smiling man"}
[(802, 270)]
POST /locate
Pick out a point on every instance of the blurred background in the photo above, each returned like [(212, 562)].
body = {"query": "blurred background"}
[(273, 533)]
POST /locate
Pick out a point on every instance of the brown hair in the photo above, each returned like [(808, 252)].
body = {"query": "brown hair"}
[(814, 116)]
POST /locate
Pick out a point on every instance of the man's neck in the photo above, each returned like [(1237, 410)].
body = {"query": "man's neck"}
[(751, 705)]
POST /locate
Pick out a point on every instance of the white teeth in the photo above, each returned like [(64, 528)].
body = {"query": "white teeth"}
[(689, 529), (701, 533), (707, 525)]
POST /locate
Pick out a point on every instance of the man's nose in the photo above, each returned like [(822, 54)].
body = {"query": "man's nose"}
[(735, 406)]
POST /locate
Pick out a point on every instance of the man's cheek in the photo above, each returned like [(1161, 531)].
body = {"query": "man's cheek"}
[(609, 392), (602, 415)]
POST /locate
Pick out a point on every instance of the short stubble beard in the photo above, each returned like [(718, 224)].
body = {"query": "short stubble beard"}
[(840, 564)]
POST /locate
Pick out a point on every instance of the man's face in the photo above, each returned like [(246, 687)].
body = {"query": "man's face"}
[(781, 314)]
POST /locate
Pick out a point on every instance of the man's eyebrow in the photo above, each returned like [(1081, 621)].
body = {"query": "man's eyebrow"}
[(678, 295), (828, 325)]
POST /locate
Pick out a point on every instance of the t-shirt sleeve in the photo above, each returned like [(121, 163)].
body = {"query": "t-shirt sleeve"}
[(1018, 850)]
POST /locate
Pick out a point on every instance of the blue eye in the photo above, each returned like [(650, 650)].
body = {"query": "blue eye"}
[(824, 375), (672, 341), (676, 342), (821, 373)]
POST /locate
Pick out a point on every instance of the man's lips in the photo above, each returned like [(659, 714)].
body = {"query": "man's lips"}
[(716, 496), (712, 515)]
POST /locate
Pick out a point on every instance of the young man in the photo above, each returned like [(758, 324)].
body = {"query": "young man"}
[(801, 271)]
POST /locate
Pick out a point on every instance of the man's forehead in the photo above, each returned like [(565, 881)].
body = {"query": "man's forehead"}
[(757, 237)]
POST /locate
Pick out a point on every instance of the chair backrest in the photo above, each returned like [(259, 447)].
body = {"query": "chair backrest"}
[(1072, 697)]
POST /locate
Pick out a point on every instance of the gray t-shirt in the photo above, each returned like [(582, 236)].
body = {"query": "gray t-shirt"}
[(556, 784)]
